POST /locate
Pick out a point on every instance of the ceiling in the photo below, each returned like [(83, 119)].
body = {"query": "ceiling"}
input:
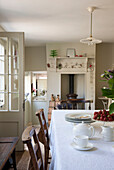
[(45, 21)]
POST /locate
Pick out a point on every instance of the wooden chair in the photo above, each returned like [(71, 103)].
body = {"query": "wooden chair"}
[(64, 105), (43, 135), (30, 138), (74, 102), (69, 104)]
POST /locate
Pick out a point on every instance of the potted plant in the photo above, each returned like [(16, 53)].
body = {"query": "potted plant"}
[(53, 53), (109, 92)]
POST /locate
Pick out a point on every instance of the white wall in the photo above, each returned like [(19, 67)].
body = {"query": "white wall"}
[(35, 58), (79, 85), (27, 116), (62, 47), (53, 84), (104, 61)]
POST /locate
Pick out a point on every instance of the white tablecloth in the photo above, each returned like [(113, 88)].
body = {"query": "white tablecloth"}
[(64, 157)]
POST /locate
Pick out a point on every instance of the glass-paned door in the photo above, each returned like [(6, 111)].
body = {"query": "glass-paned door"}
[(9, 74), (11, 84)]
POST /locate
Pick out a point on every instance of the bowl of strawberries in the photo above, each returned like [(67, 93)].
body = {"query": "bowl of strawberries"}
[(103, 115)]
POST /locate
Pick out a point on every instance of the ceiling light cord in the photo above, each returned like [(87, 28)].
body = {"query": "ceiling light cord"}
[(91, 26)]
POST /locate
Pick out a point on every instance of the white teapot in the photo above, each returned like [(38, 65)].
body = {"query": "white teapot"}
[(83, 129)]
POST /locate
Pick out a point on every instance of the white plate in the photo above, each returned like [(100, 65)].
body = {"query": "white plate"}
[(77, 121), (88, 147), (78, 117)]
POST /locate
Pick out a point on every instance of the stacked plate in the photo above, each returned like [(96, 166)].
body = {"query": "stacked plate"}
[(78, 118)]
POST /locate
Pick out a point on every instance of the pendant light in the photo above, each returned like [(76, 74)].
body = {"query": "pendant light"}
[(90, 40)]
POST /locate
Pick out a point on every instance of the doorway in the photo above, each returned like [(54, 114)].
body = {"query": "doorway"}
[(35, 95)]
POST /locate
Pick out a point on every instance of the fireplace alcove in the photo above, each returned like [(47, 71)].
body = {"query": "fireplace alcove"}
[(78, 85)]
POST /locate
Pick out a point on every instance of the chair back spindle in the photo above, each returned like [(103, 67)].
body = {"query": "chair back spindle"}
[(43, 135)]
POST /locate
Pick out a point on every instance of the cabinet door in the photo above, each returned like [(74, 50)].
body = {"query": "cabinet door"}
[(11, 85)]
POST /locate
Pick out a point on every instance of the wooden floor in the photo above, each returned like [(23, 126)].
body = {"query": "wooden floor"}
[(19, 156), (21, 160)]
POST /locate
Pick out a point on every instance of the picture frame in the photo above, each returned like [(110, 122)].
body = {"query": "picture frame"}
[(71, 52)]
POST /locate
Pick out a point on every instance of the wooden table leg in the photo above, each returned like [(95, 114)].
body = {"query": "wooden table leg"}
[(14, 160)]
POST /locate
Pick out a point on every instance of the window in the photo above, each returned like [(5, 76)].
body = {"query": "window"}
[(2, 80)]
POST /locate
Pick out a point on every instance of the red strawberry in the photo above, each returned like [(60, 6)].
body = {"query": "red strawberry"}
[(104, 111), (112, 115), (105, 119), (101, 118), (95, 116), (110, 119), (100, 112), (95, 113)]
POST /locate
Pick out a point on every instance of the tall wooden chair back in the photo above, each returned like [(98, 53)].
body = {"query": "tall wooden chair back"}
[(30, 138), (43, 135)]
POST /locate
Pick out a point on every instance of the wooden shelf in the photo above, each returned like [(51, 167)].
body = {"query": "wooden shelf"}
[(68, 57), (69, 64)]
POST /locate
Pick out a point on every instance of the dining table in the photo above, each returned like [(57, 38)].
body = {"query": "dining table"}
[(7, 150), (66, 157)]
